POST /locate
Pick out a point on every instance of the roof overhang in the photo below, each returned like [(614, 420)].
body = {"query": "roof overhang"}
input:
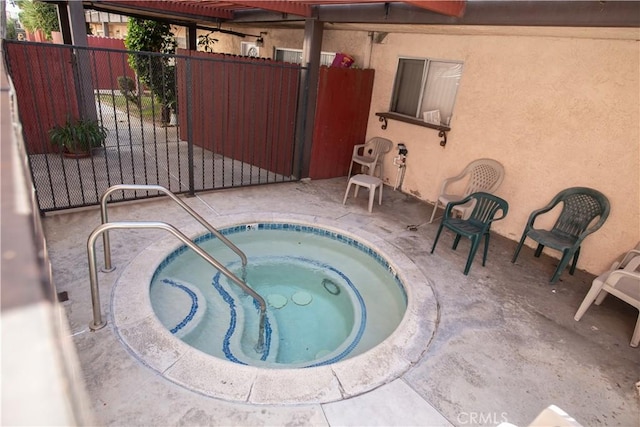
[(208, 13), (291, 8)]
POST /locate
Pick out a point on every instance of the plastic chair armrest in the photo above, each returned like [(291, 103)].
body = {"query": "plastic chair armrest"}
[(537, 212), (357, 148), (632, 264), (616, 275), (590, 230), (451, 205), (500, 217), (633, 253), (450, 180)]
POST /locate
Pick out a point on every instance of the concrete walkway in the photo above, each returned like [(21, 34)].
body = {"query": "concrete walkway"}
[(505, 345)]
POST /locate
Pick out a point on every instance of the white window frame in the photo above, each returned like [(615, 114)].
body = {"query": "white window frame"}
[(326, 58), (446, 102)]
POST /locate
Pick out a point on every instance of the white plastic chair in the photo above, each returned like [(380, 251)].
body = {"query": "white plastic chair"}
[(550, 416), (483, 175), (367, 181), (622, 281), (371, 154)]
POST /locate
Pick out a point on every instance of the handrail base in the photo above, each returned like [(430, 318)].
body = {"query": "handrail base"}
[(97, 327)]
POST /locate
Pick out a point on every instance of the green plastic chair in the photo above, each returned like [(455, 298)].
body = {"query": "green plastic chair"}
[(477, 225), (581, 206)]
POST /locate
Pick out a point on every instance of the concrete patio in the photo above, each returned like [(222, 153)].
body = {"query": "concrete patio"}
[(505, 344)]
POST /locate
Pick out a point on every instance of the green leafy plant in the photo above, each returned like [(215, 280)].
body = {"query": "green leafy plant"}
[(128, 89), (157, 72), (206, 42), (78, 136), (38, 15)]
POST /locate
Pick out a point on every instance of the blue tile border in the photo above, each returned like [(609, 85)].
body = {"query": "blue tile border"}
[(294, 228), (192, 310), (226, 347)]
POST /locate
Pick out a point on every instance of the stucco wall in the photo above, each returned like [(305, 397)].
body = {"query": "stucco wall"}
[(557, 107), (557, 112)]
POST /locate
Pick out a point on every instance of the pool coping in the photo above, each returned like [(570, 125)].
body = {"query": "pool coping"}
[(140, 331)]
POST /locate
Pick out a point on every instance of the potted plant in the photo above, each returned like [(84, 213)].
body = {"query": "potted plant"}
[(78, 137)]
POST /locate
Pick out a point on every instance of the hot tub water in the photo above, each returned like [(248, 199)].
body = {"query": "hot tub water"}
[(329, 297)]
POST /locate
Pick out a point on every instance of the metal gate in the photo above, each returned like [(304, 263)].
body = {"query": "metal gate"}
[(194, 121)]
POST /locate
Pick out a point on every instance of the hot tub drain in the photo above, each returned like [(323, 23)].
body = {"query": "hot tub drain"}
[(331, 286)]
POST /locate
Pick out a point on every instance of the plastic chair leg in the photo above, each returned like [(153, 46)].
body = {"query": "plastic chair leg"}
[(486, 249), (472, 253), (372, 195), (591, 296), (561, 266), (575, 261), (346, 193), (435, 242), (517, 251), (635, 339), (433, 214), (539, 250), (456, 241), (600, 298)]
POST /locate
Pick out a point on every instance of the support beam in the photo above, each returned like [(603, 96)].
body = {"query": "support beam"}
[(311, 48), (3, 20), (63, 21), (78, 23), (192, 37), (82, 64)]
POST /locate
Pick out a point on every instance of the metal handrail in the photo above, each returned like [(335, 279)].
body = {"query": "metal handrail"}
[(183, 205), (98, 323)]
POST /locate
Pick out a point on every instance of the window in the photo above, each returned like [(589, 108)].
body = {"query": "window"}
[(426, 86), (295, 56)]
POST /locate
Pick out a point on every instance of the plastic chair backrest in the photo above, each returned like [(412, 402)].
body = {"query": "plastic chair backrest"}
[(486, 207), (622, 263), (625, 281), (581, 206), (377, 146), (486, 176)]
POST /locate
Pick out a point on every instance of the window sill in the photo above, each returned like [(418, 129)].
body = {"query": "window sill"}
[(414, 121)]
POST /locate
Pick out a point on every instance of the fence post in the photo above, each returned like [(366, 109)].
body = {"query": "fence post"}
[(189, 113), (313, 30)]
